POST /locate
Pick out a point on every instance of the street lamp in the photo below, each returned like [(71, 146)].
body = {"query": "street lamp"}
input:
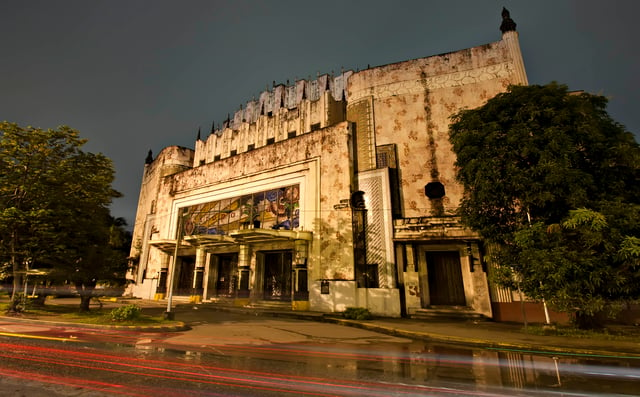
[(169, 315)]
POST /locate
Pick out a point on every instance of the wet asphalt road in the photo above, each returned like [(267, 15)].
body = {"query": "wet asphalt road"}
[(243, 355)]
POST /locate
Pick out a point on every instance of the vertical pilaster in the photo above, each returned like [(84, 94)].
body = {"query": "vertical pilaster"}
[(513, 44), (300, 276), (510, 38)]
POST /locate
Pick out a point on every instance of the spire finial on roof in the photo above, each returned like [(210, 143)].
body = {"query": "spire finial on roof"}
[(149, 158), (507, 23), (198, 138)]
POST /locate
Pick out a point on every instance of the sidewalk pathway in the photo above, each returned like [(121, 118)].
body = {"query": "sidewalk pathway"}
[(486, 334)]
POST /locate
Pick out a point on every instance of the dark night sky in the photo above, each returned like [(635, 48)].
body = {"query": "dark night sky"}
[(136, 75)]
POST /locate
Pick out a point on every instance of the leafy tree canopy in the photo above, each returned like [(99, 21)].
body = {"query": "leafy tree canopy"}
[(554, 182), (54, 201)]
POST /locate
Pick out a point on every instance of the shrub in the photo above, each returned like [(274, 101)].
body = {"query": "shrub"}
[(125, 313), (357, 313)]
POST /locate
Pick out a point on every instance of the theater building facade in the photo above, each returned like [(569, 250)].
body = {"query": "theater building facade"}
[(326, 194)]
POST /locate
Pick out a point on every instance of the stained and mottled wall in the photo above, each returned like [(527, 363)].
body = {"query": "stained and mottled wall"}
[(410, 104), (171, 160), (319, 161)]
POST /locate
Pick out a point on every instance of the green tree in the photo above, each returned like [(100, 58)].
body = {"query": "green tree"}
[(54, 201), (553, 183), (96, 252)]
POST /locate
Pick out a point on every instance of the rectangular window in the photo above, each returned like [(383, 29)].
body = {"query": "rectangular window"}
[(386, 156), (381, 160), (291, 134), (270, 141), (315, 127)]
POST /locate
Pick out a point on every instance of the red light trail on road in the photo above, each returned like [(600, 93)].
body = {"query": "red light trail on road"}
[(237, 379)]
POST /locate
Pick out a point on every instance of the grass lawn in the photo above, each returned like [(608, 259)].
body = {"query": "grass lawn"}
[(71, 313), (610, 332)]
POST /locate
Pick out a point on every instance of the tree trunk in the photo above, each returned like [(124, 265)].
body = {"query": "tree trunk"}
[(86, 293), (17, 277), (16, 297)]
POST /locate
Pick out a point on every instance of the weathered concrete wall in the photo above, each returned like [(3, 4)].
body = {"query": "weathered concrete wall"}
[(170, 160), (319, 161), (411, 106)]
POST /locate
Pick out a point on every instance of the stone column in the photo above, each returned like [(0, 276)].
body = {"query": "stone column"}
[(244, 272), (198, 274), (411, 282)]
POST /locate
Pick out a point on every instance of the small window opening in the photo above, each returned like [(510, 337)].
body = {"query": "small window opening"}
[(434, 190)]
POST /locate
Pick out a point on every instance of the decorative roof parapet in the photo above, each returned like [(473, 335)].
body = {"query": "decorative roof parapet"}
[(289, 97)]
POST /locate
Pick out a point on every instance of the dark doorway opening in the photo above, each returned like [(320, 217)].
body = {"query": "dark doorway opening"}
[(277, 275), (445, 278), (227, 275), (184, 275)]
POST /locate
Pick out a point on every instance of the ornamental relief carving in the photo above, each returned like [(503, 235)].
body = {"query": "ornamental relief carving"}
[(417, 86)]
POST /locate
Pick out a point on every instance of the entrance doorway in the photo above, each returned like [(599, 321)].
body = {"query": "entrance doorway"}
[(277, 275), (226, 275), (184, 275), (445, 278)]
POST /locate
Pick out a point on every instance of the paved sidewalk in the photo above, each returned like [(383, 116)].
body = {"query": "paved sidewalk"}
[(486, 334)]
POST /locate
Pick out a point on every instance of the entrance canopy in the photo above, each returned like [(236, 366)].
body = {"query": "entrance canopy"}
[(248, 236), (245, 236), (168, 246)]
